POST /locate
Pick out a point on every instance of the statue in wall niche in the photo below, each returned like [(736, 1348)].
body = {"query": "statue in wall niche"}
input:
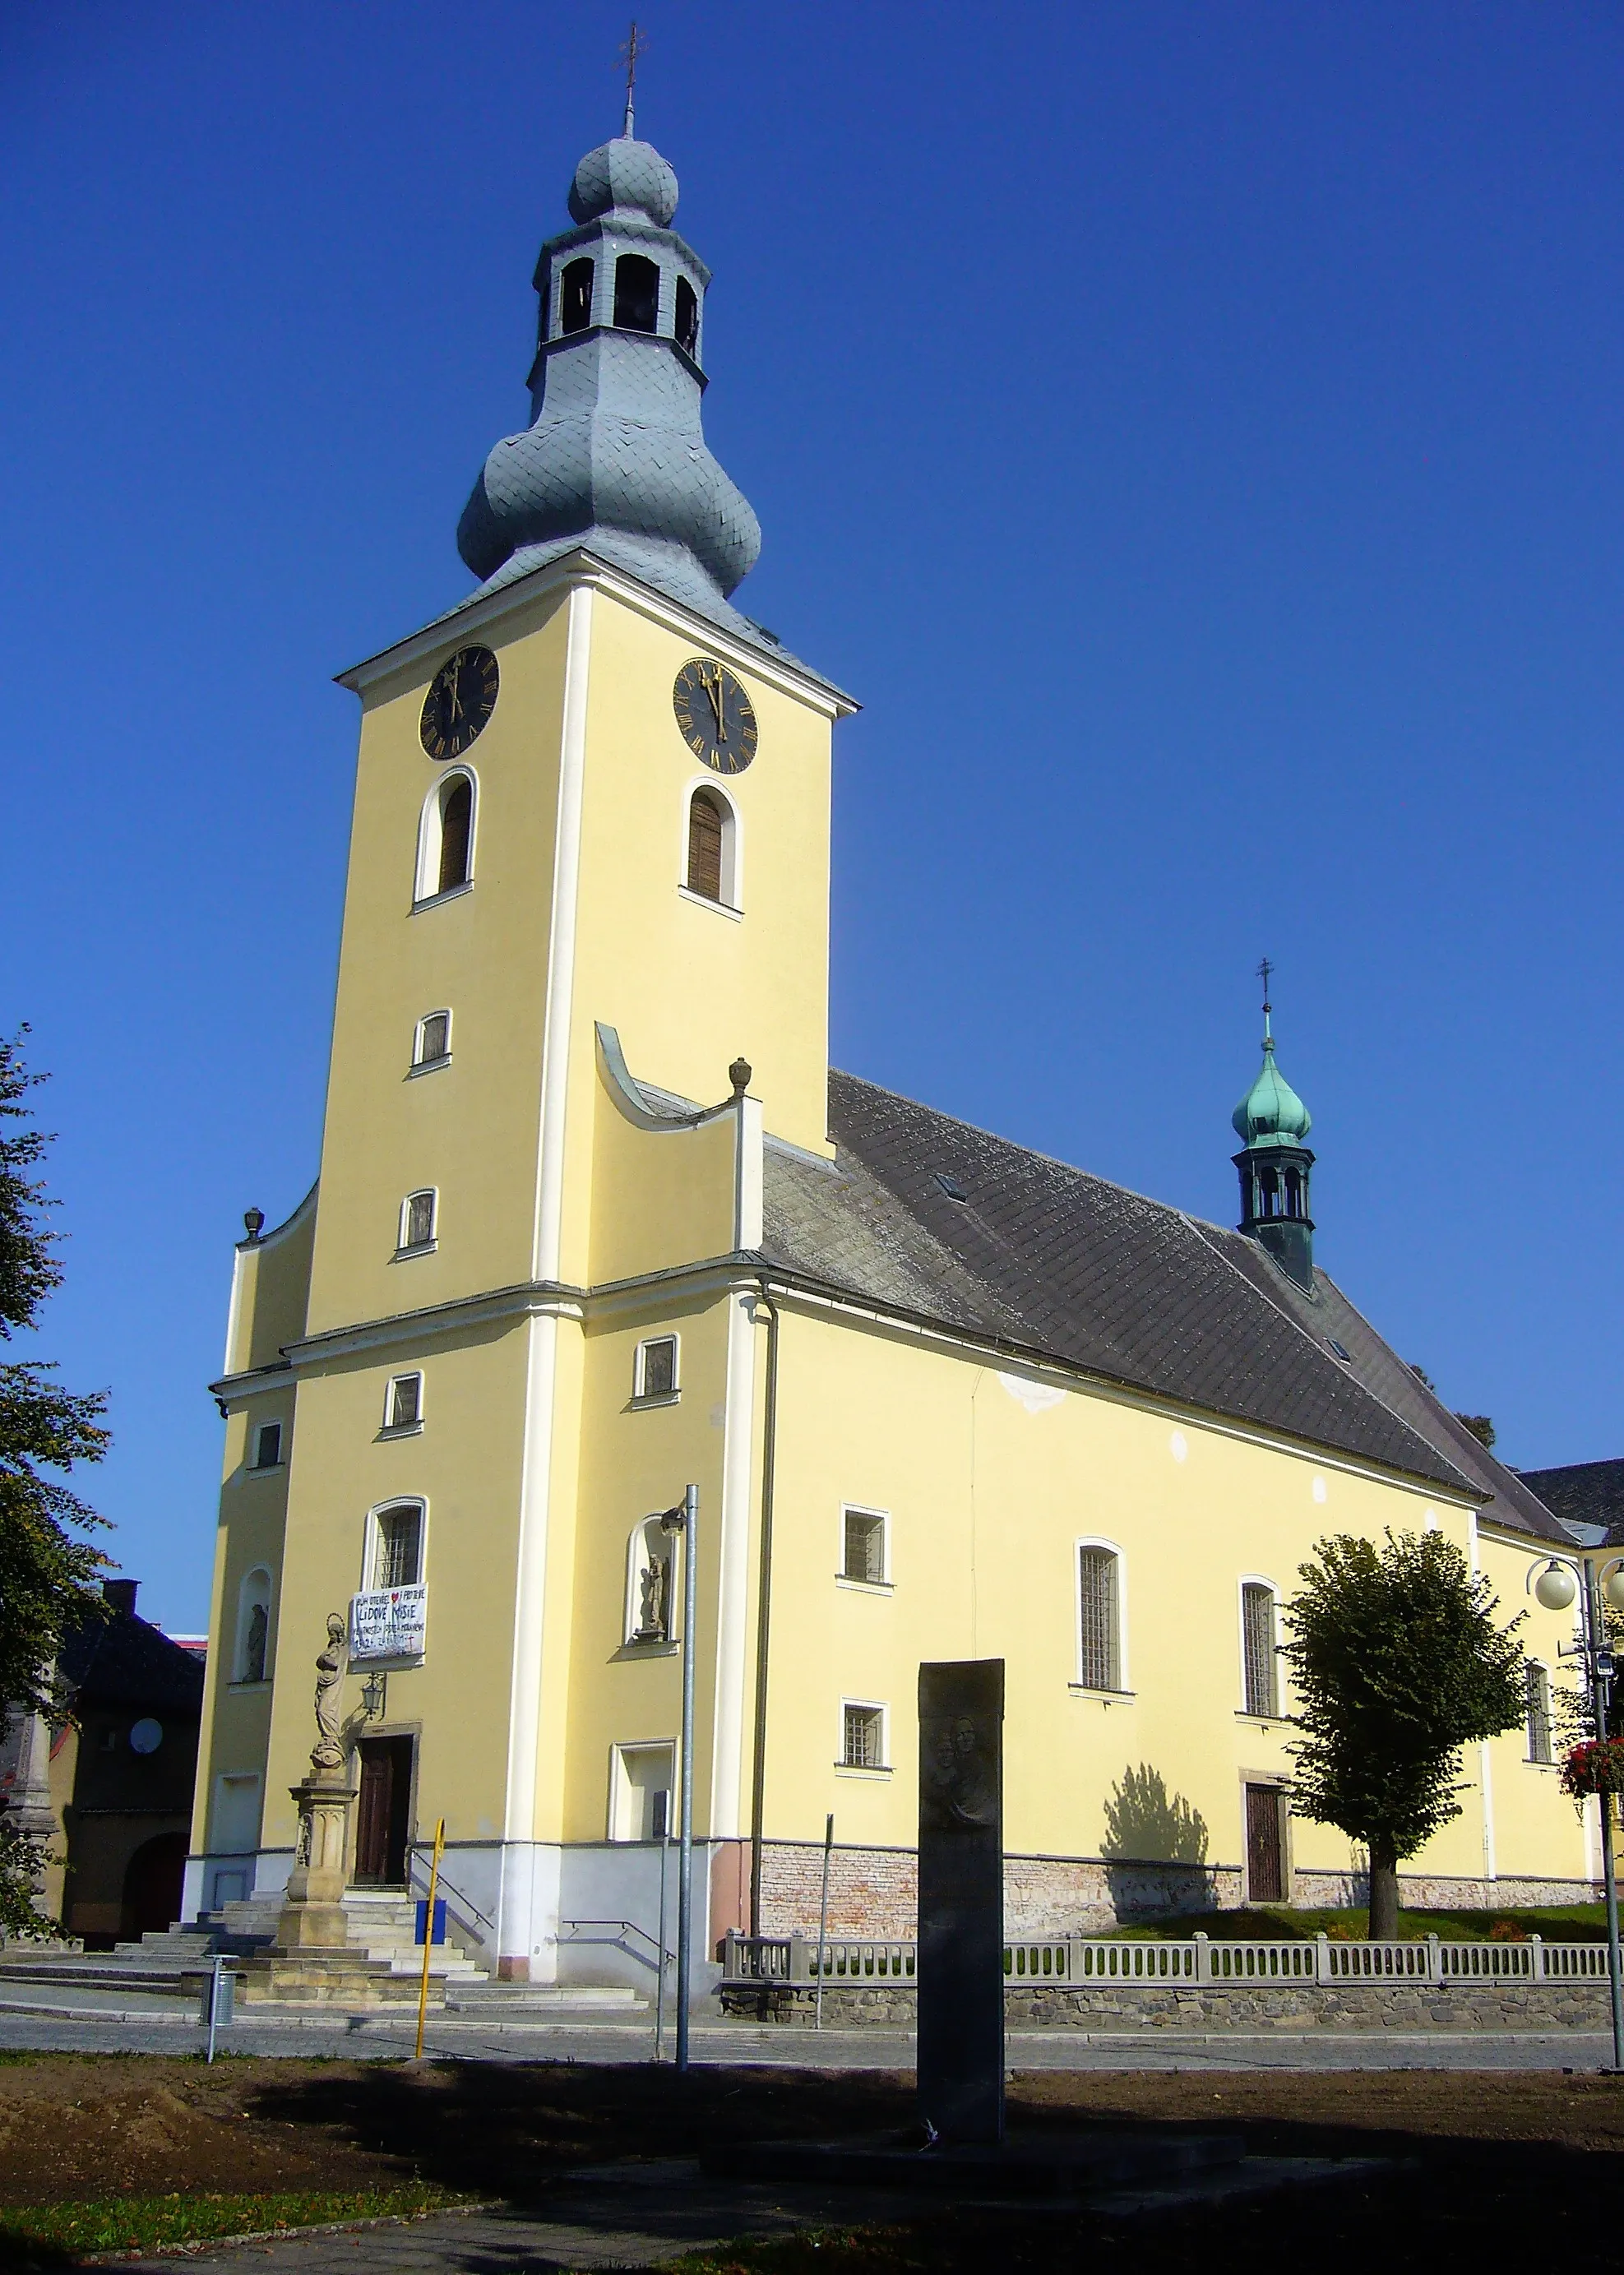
[(327, 1753), (654, 1611), (253, 1651)]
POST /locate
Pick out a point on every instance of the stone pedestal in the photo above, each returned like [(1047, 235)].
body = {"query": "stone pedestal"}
[(313, 1915)]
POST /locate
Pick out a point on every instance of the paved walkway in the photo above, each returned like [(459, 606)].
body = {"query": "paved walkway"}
[(629, 2215), (358, 2038)]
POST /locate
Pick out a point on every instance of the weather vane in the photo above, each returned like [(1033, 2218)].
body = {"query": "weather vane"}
[(630, 47), (1264, 971)]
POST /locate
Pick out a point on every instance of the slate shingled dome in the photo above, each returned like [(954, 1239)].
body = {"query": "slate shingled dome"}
[(624, 175), (615, 457)]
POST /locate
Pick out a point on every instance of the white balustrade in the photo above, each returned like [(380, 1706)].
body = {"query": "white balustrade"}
[(1088, 1960)]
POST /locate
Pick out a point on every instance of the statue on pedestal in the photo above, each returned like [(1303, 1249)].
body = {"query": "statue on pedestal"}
[(327, 1753)]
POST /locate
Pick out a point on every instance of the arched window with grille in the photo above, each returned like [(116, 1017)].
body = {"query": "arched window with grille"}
[(1101, 1656), (1259, 1661), (1538, 1681)]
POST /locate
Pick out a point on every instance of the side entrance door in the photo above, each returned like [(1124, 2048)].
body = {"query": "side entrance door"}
[(1265, 1876), (382, 1812)]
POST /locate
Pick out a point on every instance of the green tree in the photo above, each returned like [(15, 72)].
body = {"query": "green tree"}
[(1397, 1662), (48, 1568)]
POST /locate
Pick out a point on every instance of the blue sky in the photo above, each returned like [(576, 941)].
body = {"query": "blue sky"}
[(1193, 431)]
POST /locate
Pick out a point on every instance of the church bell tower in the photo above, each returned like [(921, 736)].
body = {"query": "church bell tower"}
[(1274, 1163)]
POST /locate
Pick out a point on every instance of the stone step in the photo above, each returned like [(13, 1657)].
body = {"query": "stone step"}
[(87, 1975), (545, 1998)]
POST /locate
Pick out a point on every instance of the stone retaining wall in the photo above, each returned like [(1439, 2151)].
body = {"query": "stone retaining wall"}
[(1374, 2006)]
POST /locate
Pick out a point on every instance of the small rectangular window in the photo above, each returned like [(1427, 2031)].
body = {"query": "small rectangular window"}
[(864, 1737), (433, 1043), (417, 1221), (864, 1556), (268, 1446), (397, 1556), (1097, 1618), (1257, 1638), (656, 1368), (403, 1406)]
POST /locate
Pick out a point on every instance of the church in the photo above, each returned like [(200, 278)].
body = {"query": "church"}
[(596, 1220)]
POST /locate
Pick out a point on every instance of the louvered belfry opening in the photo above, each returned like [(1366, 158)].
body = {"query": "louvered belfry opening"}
[(705, 830), (456, 823)]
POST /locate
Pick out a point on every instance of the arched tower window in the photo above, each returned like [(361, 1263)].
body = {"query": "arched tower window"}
[(456, 833), (687, 316), (445, 837), (1293, 1193), (252, 1626), (707, 829), (637, 293), (575, 307)]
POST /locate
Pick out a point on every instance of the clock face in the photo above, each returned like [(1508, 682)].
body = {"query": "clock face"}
[(717, 718), (460, 699)]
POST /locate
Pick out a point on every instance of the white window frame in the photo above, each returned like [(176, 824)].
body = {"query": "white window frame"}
[(372, 1541), (1548, 1761), (247, 1596), (883, 1586), (419, 1063), (259, 1469), (1123, 1684), (426, 893), (639, 1361), (640, 1540), (732, 901), (402, 1429), (403, 1245), (883, 1768), (1259, 1580), (621, 1788)]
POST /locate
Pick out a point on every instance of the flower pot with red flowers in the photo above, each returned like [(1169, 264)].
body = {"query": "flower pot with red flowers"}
[(1596, 1767)]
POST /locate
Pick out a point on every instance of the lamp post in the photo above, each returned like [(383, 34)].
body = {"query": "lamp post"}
[(685, 1521), (1556, 1587)]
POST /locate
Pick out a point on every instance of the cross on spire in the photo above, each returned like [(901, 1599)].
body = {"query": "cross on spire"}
[(1265, 972), (634, 45)]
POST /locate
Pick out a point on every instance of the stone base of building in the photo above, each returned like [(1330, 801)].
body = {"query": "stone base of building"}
[(1375, 2008), (873, 1892)]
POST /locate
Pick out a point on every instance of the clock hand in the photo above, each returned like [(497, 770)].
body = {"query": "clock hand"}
[(713, 688)]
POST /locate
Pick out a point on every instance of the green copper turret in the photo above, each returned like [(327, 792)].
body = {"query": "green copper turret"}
[(1274, 1163)]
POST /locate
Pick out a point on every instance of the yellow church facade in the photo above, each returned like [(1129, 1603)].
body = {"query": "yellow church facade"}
[(594, 1221)]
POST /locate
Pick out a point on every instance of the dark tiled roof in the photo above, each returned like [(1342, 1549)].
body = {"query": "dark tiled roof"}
[(1584, 1492), (1047, 1259), (123, 1661)]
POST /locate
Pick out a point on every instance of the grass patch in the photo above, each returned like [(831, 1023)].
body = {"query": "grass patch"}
[(1556, 1923), (143, 2223)]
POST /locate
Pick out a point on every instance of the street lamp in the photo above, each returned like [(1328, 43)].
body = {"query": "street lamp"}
[(685, 1521), (1563, 1579)]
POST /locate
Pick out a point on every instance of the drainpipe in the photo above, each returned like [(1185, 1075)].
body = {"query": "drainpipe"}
[(764, 1607)]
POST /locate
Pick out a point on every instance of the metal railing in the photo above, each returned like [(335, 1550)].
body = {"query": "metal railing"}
[(1087, 1961)]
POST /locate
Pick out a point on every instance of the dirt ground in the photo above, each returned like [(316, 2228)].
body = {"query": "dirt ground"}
[(1489, 2165)]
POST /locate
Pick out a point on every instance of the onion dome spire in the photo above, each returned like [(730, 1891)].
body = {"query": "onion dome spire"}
[(614, 457), (1274, 1162)]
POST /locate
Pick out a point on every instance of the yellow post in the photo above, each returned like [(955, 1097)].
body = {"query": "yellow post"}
[(429, 1934)]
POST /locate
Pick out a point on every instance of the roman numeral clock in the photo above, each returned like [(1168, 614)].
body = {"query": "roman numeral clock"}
[(717, 718)]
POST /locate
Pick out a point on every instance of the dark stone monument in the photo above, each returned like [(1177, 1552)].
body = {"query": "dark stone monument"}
[(961, 1978)]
